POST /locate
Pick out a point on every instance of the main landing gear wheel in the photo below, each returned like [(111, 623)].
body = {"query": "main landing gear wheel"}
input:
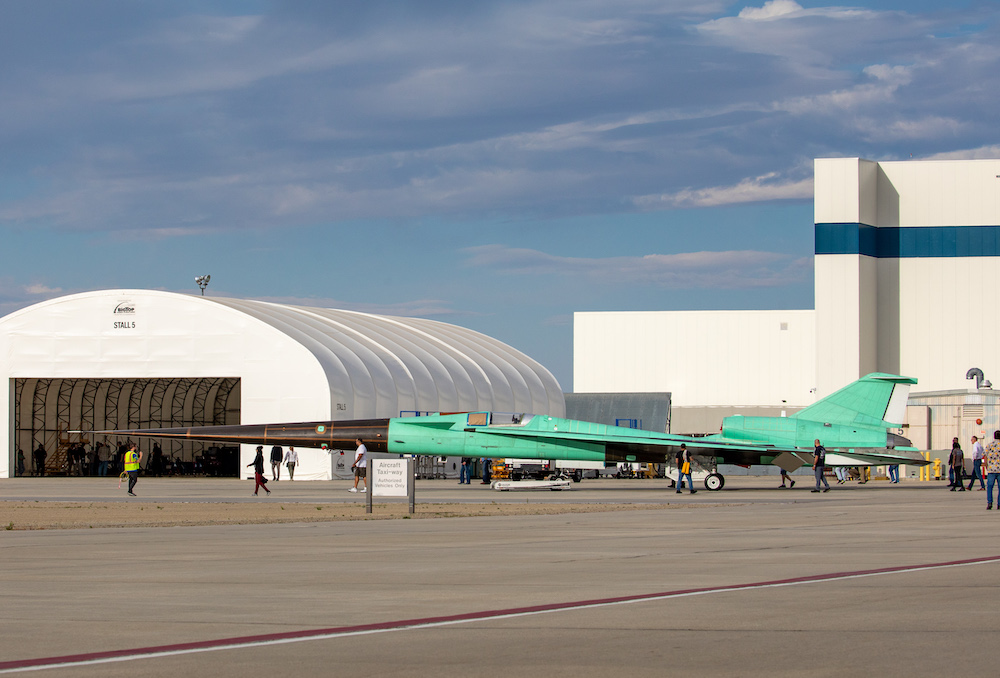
[(714, 482)]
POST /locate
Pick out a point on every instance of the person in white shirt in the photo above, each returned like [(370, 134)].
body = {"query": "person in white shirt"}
[(291, 459), (360, 466), (977, 464)]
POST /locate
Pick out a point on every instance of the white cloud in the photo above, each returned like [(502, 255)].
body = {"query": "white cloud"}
[(896, 75), (711, 270), (835, 103), (195, 29), (14, 296), (981, 153), (770, 10), (273, 121), (912, 129), (814, 38), (38, 289), (756, 189)]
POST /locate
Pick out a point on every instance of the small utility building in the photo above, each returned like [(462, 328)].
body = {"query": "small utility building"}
[(122, 359)]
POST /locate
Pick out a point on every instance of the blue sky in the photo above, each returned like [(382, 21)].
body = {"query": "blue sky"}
[(497, 165)]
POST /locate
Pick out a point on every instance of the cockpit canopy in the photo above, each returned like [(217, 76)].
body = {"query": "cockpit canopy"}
[(499, 418)]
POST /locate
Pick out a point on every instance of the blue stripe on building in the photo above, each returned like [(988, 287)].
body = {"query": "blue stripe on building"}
[(908, 242)]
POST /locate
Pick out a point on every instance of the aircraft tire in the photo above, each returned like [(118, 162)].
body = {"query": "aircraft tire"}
[(714, 482)]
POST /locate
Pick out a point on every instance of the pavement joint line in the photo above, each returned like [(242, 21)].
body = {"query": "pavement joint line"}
[(110, 656)]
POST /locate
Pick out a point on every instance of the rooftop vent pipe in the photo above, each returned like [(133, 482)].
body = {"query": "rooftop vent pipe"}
[(977, 374)]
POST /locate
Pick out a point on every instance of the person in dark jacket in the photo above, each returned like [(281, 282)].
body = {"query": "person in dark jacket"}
[(684, 463), (258, 471), (956, 463), (276, 462), (819, 466)]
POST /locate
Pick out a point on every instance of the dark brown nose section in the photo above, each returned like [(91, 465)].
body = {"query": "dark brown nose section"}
[(337, 435)]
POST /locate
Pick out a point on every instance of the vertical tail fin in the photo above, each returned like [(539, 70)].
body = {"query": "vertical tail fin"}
[(875, 399)]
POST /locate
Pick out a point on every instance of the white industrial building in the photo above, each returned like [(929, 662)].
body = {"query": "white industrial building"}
[(906, 270), (123, 359)]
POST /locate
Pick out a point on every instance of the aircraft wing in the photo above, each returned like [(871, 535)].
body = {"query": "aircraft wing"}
[(656, 448), (544, 437), (875, 457)]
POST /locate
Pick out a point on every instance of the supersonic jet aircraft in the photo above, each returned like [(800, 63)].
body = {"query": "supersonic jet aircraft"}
[(852, 424)]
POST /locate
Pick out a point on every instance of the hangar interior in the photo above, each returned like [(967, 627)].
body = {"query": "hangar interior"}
[(60, 414)]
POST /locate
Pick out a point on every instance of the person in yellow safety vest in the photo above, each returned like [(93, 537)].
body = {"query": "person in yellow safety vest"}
[(132, 459)]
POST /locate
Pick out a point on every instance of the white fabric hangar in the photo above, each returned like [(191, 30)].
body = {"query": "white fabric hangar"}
[(118, 359)]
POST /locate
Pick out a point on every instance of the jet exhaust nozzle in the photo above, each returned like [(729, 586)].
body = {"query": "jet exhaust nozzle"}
[(893, 441)]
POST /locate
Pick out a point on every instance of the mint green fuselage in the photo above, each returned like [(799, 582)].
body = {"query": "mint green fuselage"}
[(743, 440), (540, 437), (794, 432)]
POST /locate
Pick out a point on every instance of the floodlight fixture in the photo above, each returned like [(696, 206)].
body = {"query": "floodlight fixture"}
[(202, 281)]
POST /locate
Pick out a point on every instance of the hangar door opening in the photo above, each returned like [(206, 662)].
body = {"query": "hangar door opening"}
[(46, 410)]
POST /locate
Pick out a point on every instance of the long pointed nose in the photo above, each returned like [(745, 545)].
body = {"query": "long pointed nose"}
[(337, 435)]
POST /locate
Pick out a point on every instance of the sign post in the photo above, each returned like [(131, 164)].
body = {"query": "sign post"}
[(390, 475)]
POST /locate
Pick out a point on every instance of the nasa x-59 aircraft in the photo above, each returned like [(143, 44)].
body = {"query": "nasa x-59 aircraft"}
[(853, 424)]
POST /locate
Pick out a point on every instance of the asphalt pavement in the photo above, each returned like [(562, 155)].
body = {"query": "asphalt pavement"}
[(887, 580)]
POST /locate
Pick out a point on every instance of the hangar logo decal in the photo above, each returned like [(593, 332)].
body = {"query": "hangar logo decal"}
[(124, 308)]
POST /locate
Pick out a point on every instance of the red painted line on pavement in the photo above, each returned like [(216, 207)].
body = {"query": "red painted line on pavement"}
[(316, 634)]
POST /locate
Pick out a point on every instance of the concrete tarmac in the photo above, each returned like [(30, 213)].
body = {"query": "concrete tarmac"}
[(872, 579)]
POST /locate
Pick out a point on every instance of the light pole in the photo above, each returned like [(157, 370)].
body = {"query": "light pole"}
[(202, 281)]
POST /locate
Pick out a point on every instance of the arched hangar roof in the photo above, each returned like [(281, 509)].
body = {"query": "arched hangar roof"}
[(390, 364)]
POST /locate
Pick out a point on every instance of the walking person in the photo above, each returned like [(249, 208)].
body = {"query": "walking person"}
[(819, 466), (684, 456), (951, 471), (842, 474), (291, 459), (130, 466), (991, 462), (679, 463), (360, 466), (258, 471), (784, 477), (276, 463), (956, 462), (893, 473), (977, 464)]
